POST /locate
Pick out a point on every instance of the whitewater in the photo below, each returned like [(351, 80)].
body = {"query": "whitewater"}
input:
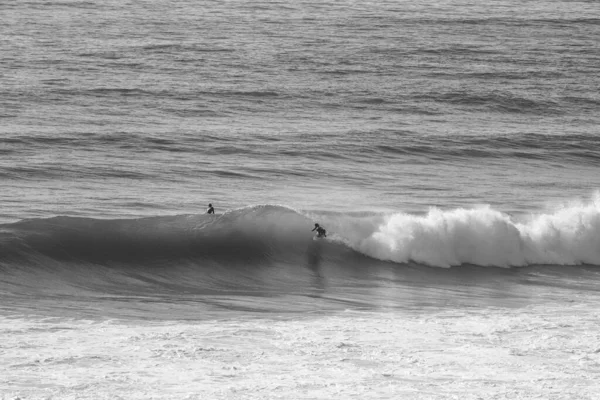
[(449, 148), (247, 304)]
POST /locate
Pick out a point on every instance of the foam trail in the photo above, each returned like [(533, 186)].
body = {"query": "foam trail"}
[(486, 237)]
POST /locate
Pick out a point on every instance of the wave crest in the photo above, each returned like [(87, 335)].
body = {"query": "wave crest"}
[(443, 238)]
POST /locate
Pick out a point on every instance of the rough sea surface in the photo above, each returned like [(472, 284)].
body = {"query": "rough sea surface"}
[(450, 149)]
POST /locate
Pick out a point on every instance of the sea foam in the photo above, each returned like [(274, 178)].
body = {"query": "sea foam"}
[(487, 237)]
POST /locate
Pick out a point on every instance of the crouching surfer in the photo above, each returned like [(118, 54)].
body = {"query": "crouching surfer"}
[(321, 232)]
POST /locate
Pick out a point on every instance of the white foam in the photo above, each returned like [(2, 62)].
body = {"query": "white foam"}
[(545, 351), (484, 236)]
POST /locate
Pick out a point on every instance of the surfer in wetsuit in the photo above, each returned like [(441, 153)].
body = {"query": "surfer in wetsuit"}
[(210, 210), (321, 232)]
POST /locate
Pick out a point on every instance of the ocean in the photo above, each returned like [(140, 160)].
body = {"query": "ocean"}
[(449, 148)]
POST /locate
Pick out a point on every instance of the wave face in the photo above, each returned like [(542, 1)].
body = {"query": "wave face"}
[(247, 234), (259, 234)]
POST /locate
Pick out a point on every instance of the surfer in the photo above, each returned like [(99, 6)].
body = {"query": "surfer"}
[(321, 232), (210, 210)]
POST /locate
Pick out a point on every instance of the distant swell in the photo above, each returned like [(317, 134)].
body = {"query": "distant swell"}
[(261, 234), (504, 102), (573, 148)]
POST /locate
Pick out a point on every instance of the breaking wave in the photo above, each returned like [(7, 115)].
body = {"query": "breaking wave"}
[(487, 237), (441, 238)]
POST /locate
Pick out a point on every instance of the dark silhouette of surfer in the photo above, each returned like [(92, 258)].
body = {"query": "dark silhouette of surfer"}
[(321, 232), (210, 210)]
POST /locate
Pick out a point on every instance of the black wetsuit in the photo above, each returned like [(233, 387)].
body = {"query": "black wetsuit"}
[(320, 232)]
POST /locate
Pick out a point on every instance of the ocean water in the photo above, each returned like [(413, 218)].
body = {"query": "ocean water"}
[(450, 149)]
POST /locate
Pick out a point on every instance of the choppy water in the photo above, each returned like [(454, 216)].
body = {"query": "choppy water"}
[(152, 108), (423, 135)]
